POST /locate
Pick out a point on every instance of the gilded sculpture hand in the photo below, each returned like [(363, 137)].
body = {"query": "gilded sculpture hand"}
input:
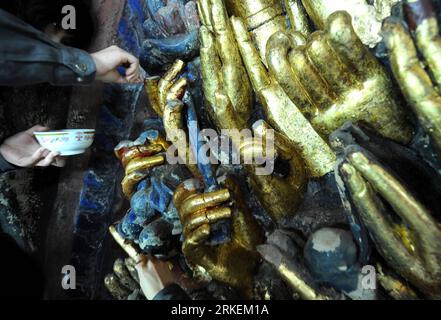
[(230, 107), (222, 69), (291, 92), (280, 191), (380, 191), (421, 86), (138, 158), (165, 96), (169, 87), (281, 112), (287, 119), (233, 263), (334, 78), (322, 94)]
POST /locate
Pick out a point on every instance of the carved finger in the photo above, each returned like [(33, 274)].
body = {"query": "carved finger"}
[(280, 190), (225, 115), (177, 90), (185, 190), (233, 70), (204, 9), (116, 289), (127, 246), (367, 17), (196, 238), (224, 36), (131, 267), (423, 225), (421, 19), (298, 17), (128, 154), (264, 145), (337, 75), (203, 201), (278, 47), (256, 70), (210, 66), (130, 182), (311, 80), (175, 129), (151, 87), (168, 80), (352, 52), (120, 270), (155, 138), (143, 164), (297, 39), (210, 216), (282, 144)]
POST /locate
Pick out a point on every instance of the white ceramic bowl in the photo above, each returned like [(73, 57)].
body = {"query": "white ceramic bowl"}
[(66, 142)]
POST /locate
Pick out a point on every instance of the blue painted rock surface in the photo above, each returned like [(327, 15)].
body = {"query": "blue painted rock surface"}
[(141, 206), (156, 238), (129, 227)]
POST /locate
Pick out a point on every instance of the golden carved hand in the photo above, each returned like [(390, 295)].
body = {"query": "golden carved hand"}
[(263, 18), (291, 92), (420, 85), (411, 244), (333, 78), (169, 87), (222, 69), (233, 263), (280, 191), (330, 78), (229, 99), (282, 113), (165, 95), (137, 159)]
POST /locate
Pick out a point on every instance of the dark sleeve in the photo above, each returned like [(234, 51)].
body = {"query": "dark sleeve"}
[(173, 292), (28, 56), (6, 166)]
